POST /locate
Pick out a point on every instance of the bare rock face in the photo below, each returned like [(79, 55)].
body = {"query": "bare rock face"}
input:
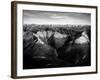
[(48, 48), (37, 50), (28, 41), (76, 51), (59, 39)]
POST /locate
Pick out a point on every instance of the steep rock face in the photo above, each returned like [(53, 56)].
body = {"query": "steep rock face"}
[(44, 52), (76, 51), (45, 48), (37, 49), (82, 39), (50, 37), (28, 42), (59, 39)]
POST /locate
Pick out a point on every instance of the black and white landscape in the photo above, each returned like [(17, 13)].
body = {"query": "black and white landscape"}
[(56, 39)]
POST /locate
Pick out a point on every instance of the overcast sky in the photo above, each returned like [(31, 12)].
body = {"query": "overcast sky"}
[(50, 17)]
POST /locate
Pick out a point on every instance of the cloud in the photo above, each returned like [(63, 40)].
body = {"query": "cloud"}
[(50, 17)]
